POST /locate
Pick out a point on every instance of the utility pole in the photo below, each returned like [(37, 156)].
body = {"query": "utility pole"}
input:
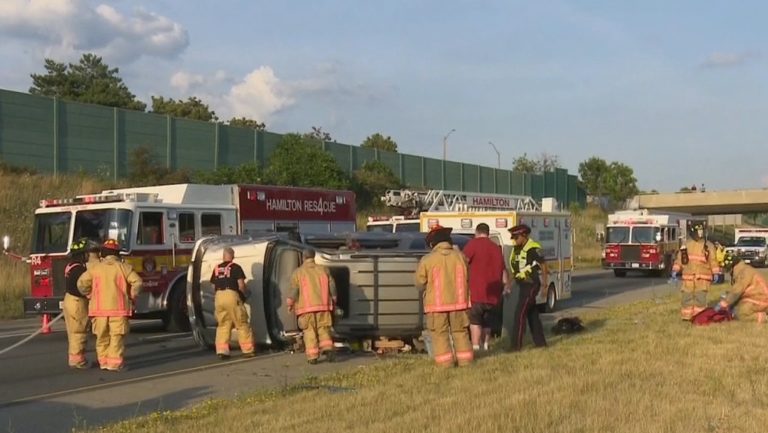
[(498, 155), (445, 143)]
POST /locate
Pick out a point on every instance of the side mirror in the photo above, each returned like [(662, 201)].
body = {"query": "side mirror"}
[(658, 237), (6, 243), (600, 238)]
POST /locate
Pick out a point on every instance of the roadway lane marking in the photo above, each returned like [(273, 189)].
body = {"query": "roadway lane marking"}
[(172, 336), (138, 379)]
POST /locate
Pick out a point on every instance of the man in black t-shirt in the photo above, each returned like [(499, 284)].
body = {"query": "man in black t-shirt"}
[(228, 279), (76, 306)]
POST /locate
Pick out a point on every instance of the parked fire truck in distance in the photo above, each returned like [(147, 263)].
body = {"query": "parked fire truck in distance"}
[(639, 240), (375, 285), (551, 228), (157, 227)]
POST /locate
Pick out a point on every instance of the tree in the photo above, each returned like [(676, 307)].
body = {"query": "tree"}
[(299, 162), (594, 173), (318, 134), (249, 172), (143, 170), (378, 141), (90, 80), (244, 122), (545, 162), (621, 183), (193, 108), (371, 181)]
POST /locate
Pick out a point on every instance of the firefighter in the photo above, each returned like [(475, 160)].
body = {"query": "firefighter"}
[(529, 269), (748, 293), (111, 287), (228, 279), (697, 260), (76, 306), (313, 297), (442, 275), (94, 250)]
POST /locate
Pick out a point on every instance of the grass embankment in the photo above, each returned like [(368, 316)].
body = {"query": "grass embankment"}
[(20, 195), (636, 369), (587, 251)]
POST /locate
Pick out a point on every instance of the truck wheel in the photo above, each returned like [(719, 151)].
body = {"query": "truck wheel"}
[(176, 318), (620, 273), (550, 304)]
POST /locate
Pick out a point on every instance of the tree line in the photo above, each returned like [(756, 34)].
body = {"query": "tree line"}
[(298, 160)]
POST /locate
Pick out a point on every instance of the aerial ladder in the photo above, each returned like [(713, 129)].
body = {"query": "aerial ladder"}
[(413, 202)]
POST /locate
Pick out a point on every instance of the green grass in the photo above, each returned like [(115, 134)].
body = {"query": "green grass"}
[(636, 369)]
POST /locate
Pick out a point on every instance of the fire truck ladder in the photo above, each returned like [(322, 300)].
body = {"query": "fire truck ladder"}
[(455, 201)]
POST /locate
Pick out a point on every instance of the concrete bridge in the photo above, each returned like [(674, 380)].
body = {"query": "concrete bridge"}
[(706, 203)]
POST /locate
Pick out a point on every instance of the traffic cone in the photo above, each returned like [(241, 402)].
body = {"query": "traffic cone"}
[(46, 321)]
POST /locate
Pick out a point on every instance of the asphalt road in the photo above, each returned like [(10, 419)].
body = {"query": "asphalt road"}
[(39, 393)]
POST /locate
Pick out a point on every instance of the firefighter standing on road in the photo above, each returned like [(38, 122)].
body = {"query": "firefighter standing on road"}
[(698, 262), (76, 306), (228, 279), (748, 292), (530, 271), (442, 274), (111, 286), (313, 296)]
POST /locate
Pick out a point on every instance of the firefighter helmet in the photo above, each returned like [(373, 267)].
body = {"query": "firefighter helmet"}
[(730, 260), (110, 248), (78, 247), (438, 234)]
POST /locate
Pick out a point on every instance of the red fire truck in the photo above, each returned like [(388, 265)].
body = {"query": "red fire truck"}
[(157, 227), (642, 241)]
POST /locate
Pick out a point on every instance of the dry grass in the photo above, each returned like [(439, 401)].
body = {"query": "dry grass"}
[(586, 249), (637, 369), (20, 195)]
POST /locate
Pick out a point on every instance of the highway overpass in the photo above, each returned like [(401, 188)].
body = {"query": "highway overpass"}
[(706, 203)]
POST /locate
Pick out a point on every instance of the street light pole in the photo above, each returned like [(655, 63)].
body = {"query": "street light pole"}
[(498, 155), (445, 143)]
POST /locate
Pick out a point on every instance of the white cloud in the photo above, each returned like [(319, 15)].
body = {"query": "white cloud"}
[(70, 27), (727, 59), (183, 81), (260, 95)]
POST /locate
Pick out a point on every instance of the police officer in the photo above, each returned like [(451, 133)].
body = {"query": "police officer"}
[(76, 306), (697, 260), (111, 286), (530, 272), (748, 293), (442, 275), (228, 279), (313, 297)]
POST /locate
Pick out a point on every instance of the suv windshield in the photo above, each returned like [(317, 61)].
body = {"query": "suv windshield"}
[(102, 224), (751, 242), (51, 233)]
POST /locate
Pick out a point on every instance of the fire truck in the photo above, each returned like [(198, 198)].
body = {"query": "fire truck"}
[(393, 224), (157, 227), (463, 211), (639, 240)]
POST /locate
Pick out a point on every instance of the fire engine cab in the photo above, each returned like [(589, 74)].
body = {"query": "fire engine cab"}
[(157, 227), (394, 224), (642, 241)]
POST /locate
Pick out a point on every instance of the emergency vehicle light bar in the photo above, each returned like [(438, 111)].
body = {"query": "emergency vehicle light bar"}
[(99, 198)]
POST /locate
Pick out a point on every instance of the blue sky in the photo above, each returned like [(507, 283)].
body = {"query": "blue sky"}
[(676, 91)]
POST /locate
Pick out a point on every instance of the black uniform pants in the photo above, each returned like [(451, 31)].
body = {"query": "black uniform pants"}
[(526, 310)]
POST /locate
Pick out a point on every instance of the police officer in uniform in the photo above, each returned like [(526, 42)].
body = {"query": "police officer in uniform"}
[(228, 279), (313, 297), (111, 286), (697, 259), (530, 272), (443, 277), (76, 306)]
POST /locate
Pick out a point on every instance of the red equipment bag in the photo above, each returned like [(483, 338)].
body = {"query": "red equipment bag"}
[(709, 316)]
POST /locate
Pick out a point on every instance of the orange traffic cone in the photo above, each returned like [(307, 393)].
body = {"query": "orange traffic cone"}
[(46, 321)]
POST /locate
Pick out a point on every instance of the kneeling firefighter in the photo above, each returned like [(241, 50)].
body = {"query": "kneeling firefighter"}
[(748, 294), (697, 261)]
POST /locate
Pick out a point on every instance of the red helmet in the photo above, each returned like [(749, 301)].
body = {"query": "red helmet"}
[(111, 244), (438, 234)]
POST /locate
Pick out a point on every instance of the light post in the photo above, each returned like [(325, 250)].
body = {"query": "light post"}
[(445, 143), (498, 155)]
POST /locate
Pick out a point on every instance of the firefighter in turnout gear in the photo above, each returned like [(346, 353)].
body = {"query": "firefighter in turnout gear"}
[(748, 293), (529, 269), (697, 260), (443, 277), (76, 306), (111, 286), (313, 297), (228, 279)]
